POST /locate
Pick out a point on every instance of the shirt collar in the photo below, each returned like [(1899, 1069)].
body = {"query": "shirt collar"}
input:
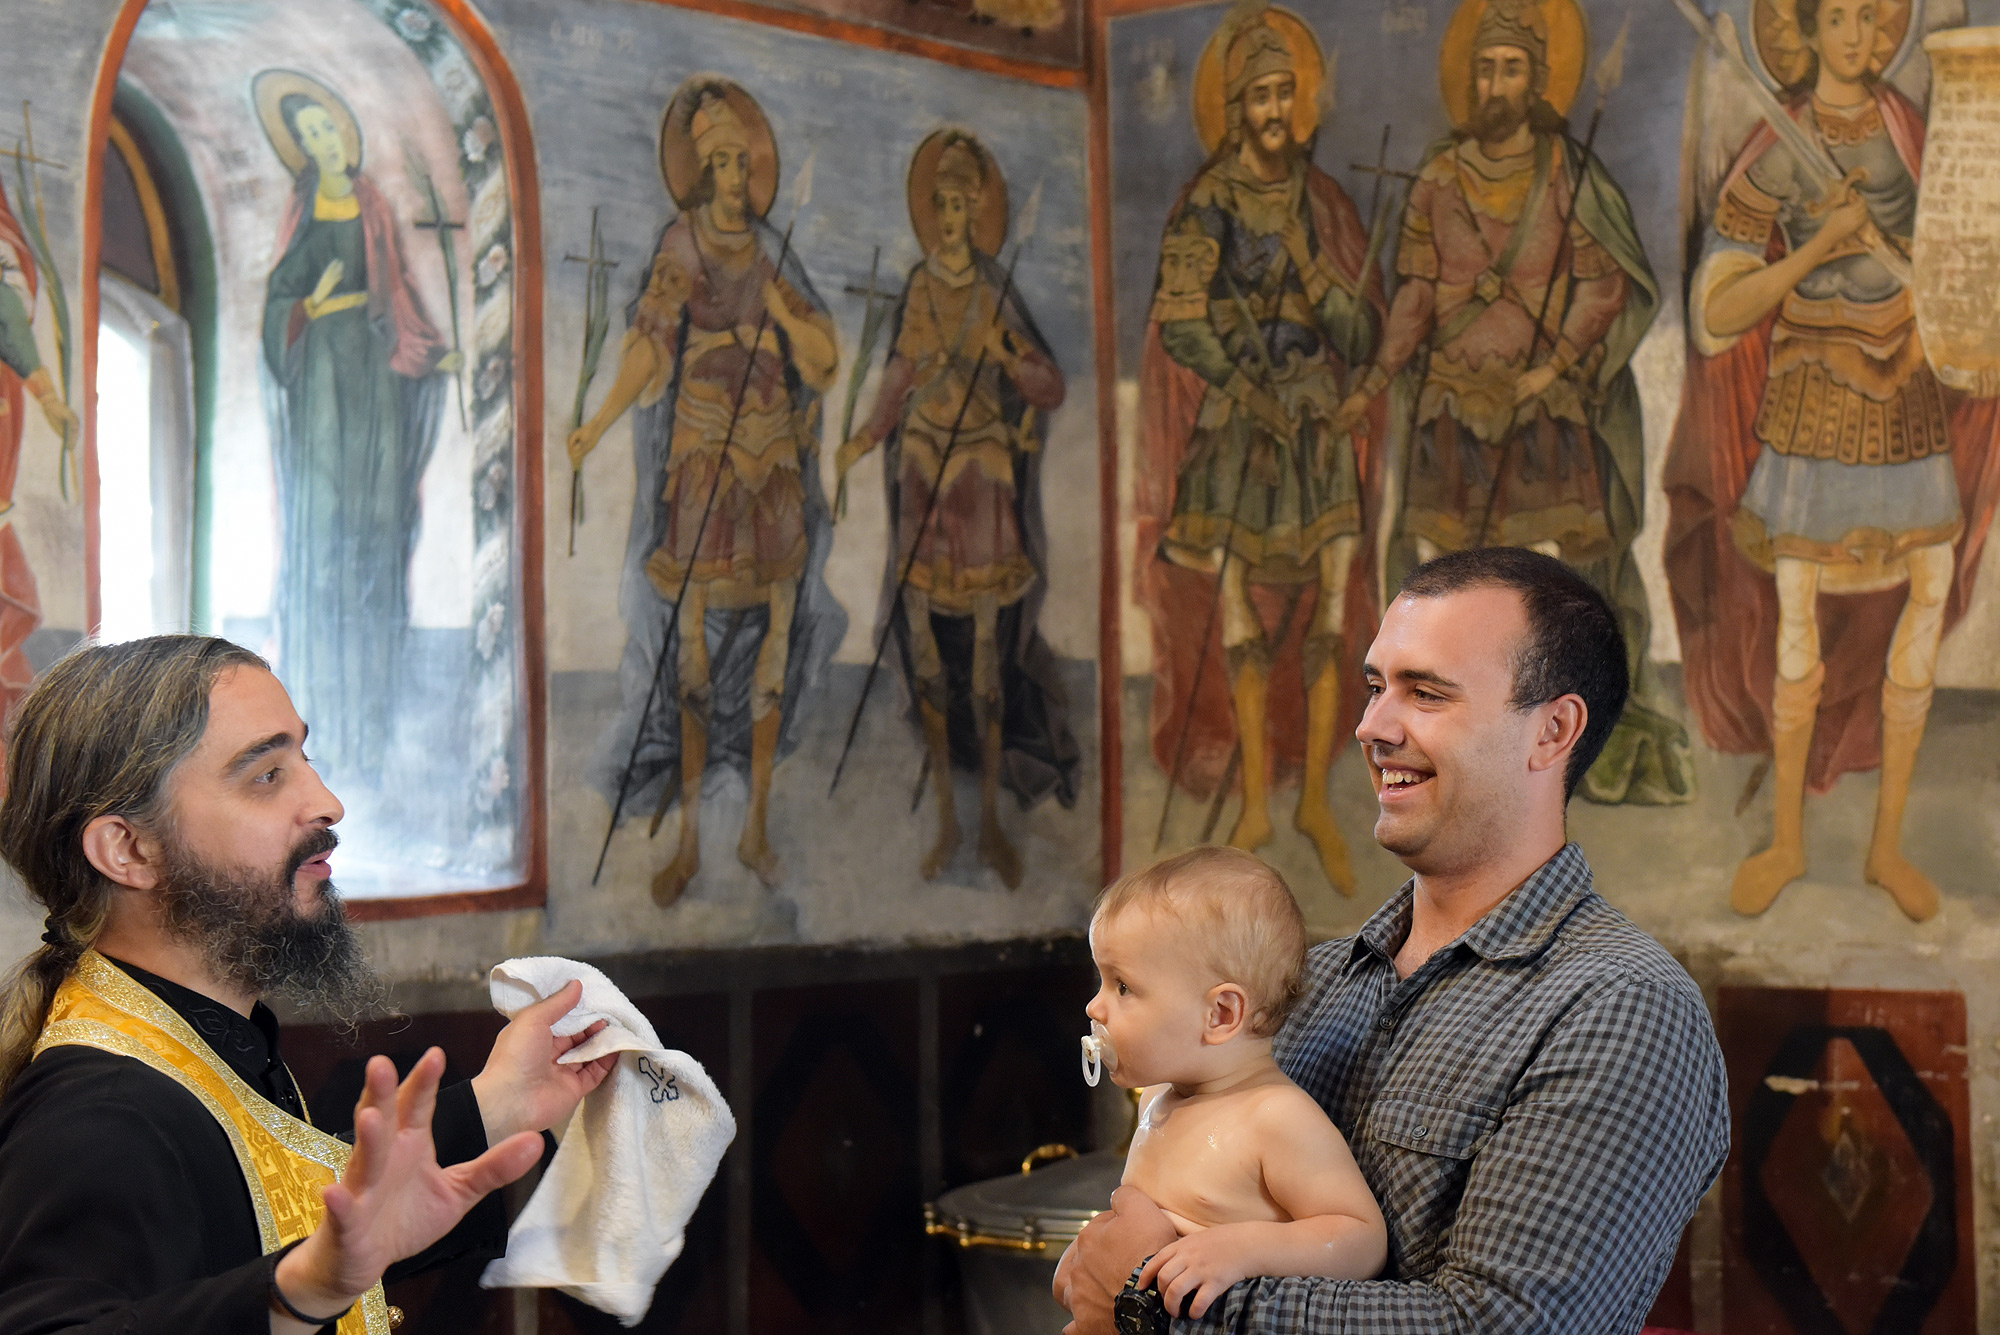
[(1518, 927), (248, 1044)]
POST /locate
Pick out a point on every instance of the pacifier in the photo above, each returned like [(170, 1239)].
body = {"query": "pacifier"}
[(1099, 1055)]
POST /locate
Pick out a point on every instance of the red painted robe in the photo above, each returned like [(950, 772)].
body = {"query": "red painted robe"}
[(1727, 608), (1179, 599), (20, 599)]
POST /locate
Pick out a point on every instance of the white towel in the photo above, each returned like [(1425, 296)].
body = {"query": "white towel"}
[(610, 1214)]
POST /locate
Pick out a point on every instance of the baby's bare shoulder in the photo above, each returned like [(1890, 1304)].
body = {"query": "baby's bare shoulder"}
[(1286, 1112)]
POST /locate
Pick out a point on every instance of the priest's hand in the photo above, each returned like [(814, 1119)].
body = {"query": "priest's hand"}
[(1094, 1269), (393, 1201), (524, 1086)]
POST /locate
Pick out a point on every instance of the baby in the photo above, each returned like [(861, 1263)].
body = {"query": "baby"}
[(1199, 959)]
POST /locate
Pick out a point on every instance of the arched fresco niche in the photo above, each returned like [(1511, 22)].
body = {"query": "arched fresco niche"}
[(356, 517)]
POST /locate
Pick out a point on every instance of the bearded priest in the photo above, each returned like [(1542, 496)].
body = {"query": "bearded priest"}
[(157, 1169)]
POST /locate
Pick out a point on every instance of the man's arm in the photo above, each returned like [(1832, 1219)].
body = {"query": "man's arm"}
[(1574, 1205)]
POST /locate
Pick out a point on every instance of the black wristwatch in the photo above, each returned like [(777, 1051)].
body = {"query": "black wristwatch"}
[(1137, 1311)]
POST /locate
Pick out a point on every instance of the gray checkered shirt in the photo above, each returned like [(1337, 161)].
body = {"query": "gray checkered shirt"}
[(1538, 1108)]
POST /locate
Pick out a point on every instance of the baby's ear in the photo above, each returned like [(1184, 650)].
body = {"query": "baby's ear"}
[(1228, 1013)]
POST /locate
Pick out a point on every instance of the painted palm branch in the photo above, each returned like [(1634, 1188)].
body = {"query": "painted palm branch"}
[(420, 175), (38, 243), (873, 317), (596, 323)]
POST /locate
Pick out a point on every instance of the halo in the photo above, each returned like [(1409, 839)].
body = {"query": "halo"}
[(1569, 44), (268, 91), (680, 165), (989, 228), (1211, 88), (1780, 47)]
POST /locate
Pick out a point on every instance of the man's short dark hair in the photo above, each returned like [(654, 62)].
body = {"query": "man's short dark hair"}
[(1573, 645)]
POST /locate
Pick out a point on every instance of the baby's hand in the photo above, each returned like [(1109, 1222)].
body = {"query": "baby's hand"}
[(1206, 1264)]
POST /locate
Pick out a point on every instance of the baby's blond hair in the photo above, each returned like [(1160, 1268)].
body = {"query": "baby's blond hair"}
[(1239, 915)]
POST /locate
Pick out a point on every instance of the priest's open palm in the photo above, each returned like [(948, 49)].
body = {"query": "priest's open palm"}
[(394, 1200)]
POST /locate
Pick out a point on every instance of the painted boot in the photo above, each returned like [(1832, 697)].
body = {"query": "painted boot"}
[(754, 848), (1252, 664), (1903, 714), (937, 739), (672, 881), (1794, 708), (1315, 815)]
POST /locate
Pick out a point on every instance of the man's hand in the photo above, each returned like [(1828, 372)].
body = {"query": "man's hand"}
[(1264, 406), (1103, 1256), (329, 278), (1353, 411), (393, 1201), (582, 441), (1206, 1264), (524, 1087), (1531, 384)]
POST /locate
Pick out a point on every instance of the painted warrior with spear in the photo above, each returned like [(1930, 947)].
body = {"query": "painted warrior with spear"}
[(969, 383), (1522, 293), (1250, 501), (727, 352)]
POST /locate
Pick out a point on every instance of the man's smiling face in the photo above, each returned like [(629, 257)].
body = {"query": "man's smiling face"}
[(1446, 748)]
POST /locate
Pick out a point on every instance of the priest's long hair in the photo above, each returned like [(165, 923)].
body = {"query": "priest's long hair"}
[(99, 735)]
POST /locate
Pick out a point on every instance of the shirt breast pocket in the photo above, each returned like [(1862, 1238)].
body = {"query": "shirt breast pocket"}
[(1419, 1154)]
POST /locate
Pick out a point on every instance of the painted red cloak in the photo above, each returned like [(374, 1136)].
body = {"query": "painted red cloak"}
[(1178, 599), (20, 597), (1727, 608)]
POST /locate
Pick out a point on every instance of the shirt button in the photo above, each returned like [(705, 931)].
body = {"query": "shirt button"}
[(1387, 1022), (1420, 1132)]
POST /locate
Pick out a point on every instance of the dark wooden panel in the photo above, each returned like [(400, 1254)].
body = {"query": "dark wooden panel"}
[(1847, 1201), (328, 1064), (1009, 1068), (836, 1200)]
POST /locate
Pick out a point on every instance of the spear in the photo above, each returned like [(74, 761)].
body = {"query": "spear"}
[(1609, 74), (35, 224), (801, 196), (596, 320), (871, 329), (1025, 230), (420, 176)]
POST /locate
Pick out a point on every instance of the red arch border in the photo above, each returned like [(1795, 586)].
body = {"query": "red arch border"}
[(524, 192)]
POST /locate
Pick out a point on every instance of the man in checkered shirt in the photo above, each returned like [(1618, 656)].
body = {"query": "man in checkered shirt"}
[(1531, 1085)]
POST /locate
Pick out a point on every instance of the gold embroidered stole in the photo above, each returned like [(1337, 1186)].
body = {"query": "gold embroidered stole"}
[(285, 1161)]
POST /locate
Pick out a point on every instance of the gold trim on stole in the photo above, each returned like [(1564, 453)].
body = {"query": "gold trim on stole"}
[(285, 1161)]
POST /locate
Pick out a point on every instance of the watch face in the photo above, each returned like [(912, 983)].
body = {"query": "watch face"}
[(1140, 1312)]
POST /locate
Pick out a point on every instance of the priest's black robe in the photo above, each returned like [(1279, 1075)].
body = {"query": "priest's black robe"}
[(122, 1208)]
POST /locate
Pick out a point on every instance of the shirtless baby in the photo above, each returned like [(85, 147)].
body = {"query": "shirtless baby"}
[(1199, 959)]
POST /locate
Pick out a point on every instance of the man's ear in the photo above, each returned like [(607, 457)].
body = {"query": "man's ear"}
[(122, 853), (1228, 1013), (1562, 724)]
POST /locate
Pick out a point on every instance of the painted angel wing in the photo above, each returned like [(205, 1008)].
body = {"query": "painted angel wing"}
[(1912, 74), (1719, 118)]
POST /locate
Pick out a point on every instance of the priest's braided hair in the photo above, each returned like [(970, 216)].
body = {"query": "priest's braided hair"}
[(99, 735)]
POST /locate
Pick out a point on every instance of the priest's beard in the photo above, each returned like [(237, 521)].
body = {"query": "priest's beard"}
[(1498, 117), (253, 935)]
